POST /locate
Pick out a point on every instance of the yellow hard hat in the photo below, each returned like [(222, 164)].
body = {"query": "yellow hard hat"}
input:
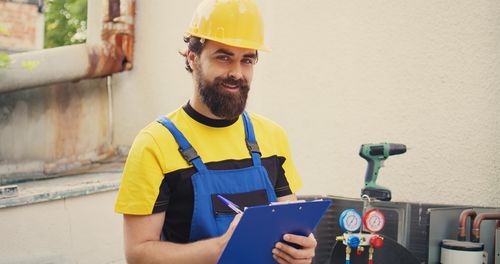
[(235, 23)]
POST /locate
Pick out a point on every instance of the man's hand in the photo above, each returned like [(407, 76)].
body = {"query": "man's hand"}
[(225, 238), (284, 253), (143, 245)]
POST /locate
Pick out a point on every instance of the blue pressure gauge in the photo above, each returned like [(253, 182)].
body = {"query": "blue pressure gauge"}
[(350, 220)]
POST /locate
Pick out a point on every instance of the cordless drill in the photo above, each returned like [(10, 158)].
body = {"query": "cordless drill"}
[(376, 154)]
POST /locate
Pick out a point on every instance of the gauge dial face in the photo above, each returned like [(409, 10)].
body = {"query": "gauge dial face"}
[(374, 221), (350, 220)]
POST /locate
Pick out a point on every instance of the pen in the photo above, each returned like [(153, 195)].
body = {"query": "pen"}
[(230, 204)]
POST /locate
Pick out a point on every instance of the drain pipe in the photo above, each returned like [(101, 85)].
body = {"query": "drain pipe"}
[(462, 221), (109, 86), (477, 223)]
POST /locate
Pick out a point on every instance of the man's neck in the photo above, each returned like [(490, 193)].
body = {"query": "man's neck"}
[(201, 108), (206, 120)]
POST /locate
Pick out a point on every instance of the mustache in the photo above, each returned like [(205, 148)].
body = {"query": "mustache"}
[(232, 81)]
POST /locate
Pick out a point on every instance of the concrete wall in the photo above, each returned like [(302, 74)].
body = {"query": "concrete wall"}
[(344, 73), (53, 128), (76, 230)]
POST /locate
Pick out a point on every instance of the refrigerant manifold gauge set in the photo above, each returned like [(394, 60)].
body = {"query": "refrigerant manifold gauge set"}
[(353, 224)]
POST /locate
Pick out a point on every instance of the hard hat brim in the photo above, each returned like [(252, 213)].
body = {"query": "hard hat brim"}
[(231, 43)]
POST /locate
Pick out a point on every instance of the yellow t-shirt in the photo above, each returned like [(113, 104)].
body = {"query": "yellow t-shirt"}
[(156, 177)]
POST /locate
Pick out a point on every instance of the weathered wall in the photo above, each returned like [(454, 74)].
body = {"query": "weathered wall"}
[(50, 129), (77, 230), (344, 73)]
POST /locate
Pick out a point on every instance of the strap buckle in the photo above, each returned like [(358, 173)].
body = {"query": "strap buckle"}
[(253, 147), (189, 154)]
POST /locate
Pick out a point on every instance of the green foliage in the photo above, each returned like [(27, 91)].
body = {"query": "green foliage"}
[(4, 60), (4, 30), (30, 65), (65, 22), (4, 57)]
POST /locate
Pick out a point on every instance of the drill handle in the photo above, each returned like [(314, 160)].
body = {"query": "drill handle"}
[(372, 170)]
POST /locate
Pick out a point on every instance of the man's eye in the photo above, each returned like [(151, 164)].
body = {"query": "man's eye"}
[(223, 58), (248, 61)]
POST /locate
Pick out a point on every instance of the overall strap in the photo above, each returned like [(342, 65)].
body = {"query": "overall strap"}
[(185, 148), (250, 140)]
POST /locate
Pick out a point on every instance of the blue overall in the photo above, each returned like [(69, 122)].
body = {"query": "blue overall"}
[(207, 183)]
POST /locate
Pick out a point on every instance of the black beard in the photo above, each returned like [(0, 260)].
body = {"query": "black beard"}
[(227, 105)]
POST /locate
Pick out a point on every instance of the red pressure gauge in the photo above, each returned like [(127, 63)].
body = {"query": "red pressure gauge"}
[(374, 221)]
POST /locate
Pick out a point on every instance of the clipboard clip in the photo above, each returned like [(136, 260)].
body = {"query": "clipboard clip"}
[(292, 202), (286, 202)]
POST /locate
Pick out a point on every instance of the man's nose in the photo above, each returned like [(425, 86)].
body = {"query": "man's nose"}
[(235, 71)]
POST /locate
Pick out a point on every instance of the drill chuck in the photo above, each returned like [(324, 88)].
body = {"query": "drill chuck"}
[(395, 149)]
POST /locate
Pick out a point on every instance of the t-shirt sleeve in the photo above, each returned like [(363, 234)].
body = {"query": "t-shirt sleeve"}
[(142, 177), (289, 169)]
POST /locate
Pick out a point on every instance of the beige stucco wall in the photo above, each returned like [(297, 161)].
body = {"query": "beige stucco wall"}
[(73, 230), (344, 73)]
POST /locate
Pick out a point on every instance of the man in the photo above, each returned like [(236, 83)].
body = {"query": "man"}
[(178, 164)]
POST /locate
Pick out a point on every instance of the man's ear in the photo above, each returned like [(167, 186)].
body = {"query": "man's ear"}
[(191, 57)]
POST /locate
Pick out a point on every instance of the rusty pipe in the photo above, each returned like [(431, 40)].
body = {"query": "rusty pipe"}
[(118, 28), (462, 221), (62, 64), (477, 223)]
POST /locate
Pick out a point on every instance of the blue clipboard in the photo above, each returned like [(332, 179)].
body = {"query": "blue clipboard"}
[(261, 227)]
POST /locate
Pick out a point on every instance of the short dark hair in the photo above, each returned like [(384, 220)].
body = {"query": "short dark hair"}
[(195, 44)]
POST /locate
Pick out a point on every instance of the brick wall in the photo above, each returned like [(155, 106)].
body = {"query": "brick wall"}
[(22, 20)]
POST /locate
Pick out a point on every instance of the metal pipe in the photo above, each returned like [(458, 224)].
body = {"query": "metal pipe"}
[(109, 86), (118, 27), (54, 65), (477, 223), (366, 203), (62, 64), (462, 221), (495, 240)]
